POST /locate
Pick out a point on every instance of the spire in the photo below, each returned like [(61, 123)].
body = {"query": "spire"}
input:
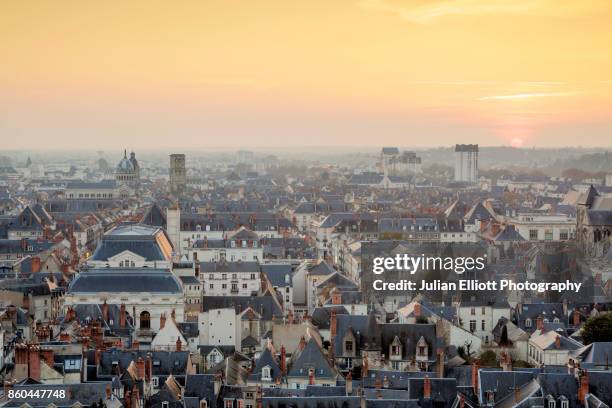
[(125, 153)]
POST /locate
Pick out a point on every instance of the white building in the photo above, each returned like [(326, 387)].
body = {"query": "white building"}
[(466, 163), (218, 328), (544, 227), (230, 278)]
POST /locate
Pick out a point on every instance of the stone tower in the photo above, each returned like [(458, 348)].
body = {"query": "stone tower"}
[(178, 174)]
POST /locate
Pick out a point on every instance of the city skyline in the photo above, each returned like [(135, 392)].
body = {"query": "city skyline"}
[(359, 73)]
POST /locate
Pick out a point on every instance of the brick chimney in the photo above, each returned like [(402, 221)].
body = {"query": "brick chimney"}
[(336, 298), (122, 316), (105, 311), (576, 318), (47, 355), (364, 366), (584, 386), (311, 376), (179, 345), (173, 315), (128, 400), (162, 321), (349, 383), (461, 401), (302, 344), (333, 324), (475, 368), (558, 342), (149, 366), (540, 323), (140, 368), (427, 388), (34, 362), (283, 359), (108, 391), (64, 337), (440, 364), (417, 310), (36, 264), (506, 361)]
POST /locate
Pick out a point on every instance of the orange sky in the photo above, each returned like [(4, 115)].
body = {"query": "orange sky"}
[(282, 73)]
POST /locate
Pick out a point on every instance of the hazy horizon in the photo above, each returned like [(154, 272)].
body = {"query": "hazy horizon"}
[(237, 74)]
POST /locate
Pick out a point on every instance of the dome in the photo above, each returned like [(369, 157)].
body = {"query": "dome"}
[(125, 165)]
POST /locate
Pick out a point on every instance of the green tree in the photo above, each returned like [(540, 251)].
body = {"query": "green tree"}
[(488, 359), (598, 328)]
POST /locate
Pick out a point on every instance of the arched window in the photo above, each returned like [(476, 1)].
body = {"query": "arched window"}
[(145, 320)]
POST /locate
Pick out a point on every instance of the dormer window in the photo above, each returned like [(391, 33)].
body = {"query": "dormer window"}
[(564, 403), (266, 373), (422, 349), (552, 403), (527, 322), (165, 404)]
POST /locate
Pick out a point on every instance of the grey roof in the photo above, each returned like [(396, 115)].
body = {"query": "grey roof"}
[(201, 386), (117, 280), (229, 266), (280, 275), (311, 357), (266, 306), (266, 359), (137, 238)]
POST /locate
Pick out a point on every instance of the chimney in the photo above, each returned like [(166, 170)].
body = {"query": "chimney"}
[(122, 319), (108, 391), (584, 387), (64, 337), (461, 401), (517, 394), (47, 355), (283, 360), (35, 264), (34, 362), (149, 367), (506, 361), (364, 366), (427, 388), (417, 309), (98, 356), (128, 400), (333, 324), (576, 318), (179, 345), (173, 315), (336, 298), (302, 344), (385, 382), (311, 376), (349, 383), (26, 301), (558, 342), (440, 364), (140, 368), (475, 368), (540, 323), (162, 321), (258, 397), (135, 345), (105, 311)]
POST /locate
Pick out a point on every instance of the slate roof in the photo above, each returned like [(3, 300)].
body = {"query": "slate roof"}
[(311, 357), (266, 306), (115, 280), (477, 212), (201, 386), (229, 267), (409, 335), (266, 359), (280, 275)]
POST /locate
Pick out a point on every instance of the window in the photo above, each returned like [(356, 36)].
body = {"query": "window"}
[(421, 350), (483, 310), (533, 235), (551, 403), (482, 325), (155, 381), (253, 276), (473, 311), (229, 403), (212, 286), (266, 373), (145, 320), (563, 236), (548, 235), (165, 404), (472, 326), (348, 346), (244, 286), (565, 403), (527, 322)]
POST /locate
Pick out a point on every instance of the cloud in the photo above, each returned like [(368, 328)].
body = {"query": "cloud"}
[(426, 11), (527, 95)]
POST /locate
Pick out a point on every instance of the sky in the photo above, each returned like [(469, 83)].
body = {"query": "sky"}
[(198, 74)]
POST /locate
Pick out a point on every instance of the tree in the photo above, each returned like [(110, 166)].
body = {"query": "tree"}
[(488, 359), (598, 328)]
